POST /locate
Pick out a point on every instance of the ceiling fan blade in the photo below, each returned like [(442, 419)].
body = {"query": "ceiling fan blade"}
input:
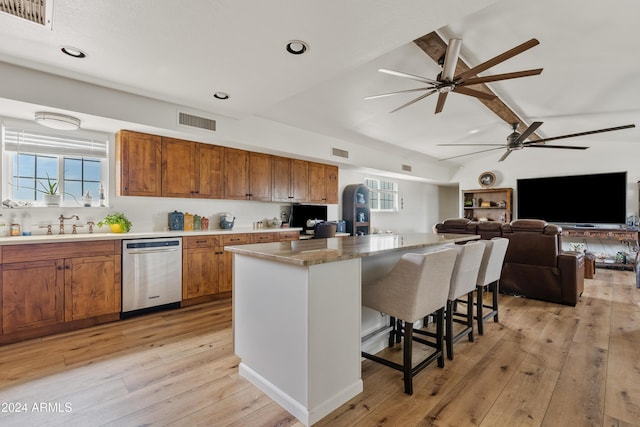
[(414, 101), (555, 146), (469, 154), (498, 59), (504, 156), (475, 93), (408, 76), (528, 131), (382, 95), (505, 76), (471, 145), (587, 133), (451, 59), (442, 97)]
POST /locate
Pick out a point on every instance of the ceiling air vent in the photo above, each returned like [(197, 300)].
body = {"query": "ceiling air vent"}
[(406, 168), (37, 11), (340, 153), (196, 121)]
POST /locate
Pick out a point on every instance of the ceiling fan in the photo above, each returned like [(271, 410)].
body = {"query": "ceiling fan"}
[(516, 140), (447, 82)]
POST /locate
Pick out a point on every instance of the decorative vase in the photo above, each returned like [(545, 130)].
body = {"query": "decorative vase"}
[(52, 199)]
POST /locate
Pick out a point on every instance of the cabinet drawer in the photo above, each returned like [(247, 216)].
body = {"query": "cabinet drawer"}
[(200, 242), (263, 237), (289, 235), (44, 251), (235, 239)]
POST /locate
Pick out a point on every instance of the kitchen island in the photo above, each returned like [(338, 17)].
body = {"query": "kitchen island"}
[(297, 314)]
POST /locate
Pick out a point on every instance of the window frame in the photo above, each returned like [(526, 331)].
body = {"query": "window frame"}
[(8, 159), (374, 194)]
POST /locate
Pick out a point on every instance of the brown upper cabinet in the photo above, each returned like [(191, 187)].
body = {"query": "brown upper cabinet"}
[(290, 180), (247, 175), (323, 183), (191, 169), (151, 165), (140, 161)]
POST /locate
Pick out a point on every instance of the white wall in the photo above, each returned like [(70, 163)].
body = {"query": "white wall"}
[(529, 163), (419, 204)]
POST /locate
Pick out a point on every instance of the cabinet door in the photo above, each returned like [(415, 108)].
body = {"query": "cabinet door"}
[(236, 174), (92, 286), (199, 273), (317, 183), (179, 169), (299, 180), (210, 181), (225, 272), (260, 177), (281, 183), (331, 175), (32, 295), (140, 160)]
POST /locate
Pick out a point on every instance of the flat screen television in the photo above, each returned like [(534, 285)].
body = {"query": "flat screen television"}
[(581, 200), (301, 213)]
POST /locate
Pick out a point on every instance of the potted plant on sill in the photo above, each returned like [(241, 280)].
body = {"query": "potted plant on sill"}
[(50, 195), (118, 222)]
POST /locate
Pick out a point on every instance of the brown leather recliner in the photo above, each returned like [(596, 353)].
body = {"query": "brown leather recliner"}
[(486, 229), (535, 265)]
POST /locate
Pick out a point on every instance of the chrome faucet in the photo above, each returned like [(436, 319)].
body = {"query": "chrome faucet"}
[(62, 218)]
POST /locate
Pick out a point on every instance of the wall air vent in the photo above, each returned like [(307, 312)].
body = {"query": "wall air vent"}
[(196, 121), (340, 153), (36, 11), (406, 168)]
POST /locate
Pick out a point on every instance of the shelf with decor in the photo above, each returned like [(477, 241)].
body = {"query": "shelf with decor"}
[(488, 204)]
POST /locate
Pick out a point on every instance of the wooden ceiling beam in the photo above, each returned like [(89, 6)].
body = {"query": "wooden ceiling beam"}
[(435, 47)]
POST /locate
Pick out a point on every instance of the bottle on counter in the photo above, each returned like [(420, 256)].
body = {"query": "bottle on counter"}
[(14, 228), (26, 223)]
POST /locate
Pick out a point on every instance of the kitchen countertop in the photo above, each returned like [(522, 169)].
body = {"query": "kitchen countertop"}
[(60, 238), (319, 251)]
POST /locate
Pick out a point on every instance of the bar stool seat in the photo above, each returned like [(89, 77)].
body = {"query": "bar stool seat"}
[(417, 286), (463, 283), (489, 279)]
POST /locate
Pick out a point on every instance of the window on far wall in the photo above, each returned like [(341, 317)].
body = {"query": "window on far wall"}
[(76, 161), (383, 195)]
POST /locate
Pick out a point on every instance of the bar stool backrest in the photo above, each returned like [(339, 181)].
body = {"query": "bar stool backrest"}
[(465, 271)]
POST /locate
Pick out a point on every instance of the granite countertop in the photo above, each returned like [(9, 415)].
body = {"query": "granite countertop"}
[(318, 251), (60, 238)]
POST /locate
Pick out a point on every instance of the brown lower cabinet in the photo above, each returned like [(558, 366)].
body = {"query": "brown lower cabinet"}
[(207, 269), (52, 287), (48, 288)]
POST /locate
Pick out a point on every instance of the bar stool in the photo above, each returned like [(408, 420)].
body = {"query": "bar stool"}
[(489, 279), (463, 282), (417, 285)]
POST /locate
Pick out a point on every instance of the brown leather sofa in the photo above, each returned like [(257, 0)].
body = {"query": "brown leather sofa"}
[(535, 265)]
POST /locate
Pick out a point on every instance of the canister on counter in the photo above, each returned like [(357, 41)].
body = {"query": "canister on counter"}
[(197, 222), (176, 220), (204, 223), (188, 221)]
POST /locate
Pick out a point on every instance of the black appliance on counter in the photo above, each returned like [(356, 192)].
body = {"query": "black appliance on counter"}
[(301, 213)]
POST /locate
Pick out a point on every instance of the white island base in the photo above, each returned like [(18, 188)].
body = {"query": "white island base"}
[(297, 332)]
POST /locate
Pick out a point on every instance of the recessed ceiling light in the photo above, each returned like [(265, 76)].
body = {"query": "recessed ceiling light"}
[(221, 95), (73, 51), (57, 121), (297, 47)]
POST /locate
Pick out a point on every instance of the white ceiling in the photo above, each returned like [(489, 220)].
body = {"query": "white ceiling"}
[(183, 52)]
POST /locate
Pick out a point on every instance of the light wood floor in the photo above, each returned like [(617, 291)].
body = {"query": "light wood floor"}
[(543, 364)]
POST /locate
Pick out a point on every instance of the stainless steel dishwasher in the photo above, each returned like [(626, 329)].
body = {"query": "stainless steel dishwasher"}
[(151, 273)]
